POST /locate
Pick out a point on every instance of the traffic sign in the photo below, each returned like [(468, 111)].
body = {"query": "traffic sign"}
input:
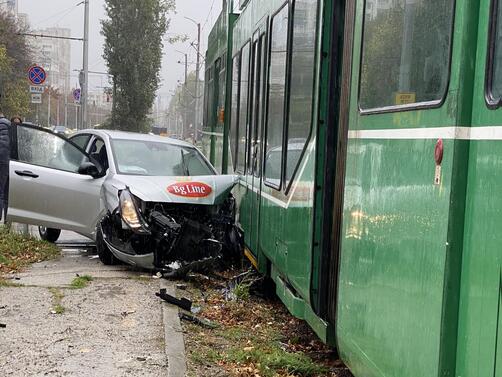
[(36, 98), (37, 75), (37, 89), (77, 94)]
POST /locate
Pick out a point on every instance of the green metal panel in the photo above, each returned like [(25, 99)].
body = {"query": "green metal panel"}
[(402, 235), (479, 348), (286, 221)]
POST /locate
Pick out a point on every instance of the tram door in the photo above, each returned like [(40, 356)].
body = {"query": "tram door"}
[(480, 320), (256, 136)]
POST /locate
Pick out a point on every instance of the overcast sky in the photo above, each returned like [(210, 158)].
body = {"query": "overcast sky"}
[(65, 13)]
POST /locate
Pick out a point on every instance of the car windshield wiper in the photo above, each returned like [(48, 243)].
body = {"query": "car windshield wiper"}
[(185, 166)]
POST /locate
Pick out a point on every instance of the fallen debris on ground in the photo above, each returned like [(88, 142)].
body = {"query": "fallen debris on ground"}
[(255, 335), (183, 303)]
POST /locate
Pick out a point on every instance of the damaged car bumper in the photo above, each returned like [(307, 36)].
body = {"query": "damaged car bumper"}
[(164, 223)]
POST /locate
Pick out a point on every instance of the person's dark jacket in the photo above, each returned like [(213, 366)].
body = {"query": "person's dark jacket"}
[(5, 145)]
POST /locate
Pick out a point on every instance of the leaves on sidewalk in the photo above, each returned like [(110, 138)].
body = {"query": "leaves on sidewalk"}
[(18, 251)]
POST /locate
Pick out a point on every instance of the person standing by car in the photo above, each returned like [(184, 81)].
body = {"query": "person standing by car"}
[(5, 143), (16, 121)]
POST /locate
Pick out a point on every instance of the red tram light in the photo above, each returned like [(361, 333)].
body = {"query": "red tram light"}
[(439, 152)]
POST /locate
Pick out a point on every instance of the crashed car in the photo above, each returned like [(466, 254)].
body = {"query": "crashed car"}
[(146, 200)]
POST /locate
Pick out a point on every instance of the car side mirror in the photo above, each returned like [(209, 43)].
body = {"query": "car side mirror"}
[(89, 168)]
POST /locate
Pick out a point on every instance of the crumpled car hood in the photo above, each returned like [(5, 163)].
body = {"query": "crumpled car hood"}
[(203, 190)]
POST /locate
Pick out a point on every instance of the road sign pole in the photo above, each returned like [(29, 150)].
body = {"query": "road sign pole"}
[(49, 107), (85, 84)]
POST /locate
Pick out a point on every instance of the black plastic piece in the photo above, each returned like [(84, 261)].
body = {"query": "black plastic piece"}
[(183, 303)]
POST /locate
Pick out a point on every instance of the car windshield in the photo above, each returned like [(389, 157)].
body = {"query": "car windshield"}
[(149, 158)]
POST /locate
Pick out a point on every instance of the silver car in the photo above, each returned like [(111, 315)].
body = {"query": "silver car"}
[(146, 200)]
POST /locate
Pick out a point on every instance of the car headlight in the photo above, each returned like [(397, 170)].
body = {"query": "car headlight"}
[(130, 214)]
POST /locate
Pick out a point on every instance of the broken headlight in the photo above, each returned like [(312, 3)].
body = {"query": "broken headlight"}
[(130, 214)]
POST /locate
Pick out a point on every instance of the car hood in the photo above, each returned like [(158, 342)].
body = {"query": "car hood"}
[(203, 190)]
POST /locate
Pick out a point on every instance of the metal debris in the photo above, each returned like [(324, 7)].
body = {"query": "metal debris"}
[(183, 303), (198, 321)]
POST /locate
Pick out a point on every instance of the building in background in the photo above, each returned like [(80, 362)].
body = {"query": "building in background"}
[(54, 55), (9, 6)]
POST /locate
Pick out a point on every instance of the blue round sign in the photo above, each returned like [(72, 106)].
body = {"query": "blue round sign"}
[(37, 75), (77, 94)]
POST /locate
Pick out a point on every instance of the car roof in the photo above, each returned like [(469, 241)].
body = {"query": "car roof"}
[(122, 135)]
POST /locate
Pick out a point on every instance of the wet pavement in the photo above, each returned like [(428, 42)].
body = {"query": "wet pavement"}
[(113, 327)]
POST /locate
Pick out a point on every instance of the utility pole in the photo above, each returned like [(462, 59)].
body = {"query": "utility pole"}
[(85, 83), (197, 79), (49, 107)]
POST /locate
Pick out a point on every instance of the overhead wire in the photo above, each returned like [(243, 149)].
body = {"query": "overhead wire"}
[(66, 12)]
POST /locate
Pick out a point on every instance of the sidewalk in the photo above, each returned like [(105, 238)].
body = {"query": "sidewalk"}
[(113, 327)]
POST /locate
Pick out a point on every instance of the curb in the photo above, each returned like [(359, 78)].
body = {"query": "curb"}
[(173, 336)]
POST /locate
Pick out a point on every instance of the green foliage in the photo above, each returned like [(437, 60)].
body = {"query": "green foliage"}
[(15, 58), (18, 251), (57, 299), (133, 35), (81, 281), (274, 359)]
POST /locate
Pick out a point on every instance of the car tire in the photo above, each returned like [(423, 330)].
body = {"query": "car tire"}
[(49, 234), (104, 252)]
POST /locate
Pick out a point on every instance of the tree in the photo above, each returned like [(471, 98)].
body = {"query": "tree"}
[(134, 34), (15, 59)]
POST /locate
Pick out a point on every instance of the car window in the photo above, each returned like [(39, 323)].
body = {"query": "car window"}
[(81, 140), (98, 152), (149, 158), (42, 148)]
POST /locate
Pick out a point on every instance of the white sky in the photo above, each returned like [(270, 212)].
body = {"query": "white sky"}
[(64, 13)]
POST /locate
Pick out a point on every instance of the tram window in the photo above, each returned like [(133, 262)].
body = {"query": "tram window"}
[(221, 95), (254, 104), (234, 117), (406, 53), (276, 96), (495, 73), (302, 82), (206, 103), (243, 109), (261, 107), (210, 97)]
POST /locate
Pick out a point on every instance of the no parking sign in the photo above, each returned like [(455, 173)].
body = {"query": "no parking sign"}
[(37, 75)]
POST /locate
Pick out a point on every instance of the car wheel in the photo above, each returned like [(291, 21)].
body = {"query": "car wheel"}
[(104, 253), (49, 234)]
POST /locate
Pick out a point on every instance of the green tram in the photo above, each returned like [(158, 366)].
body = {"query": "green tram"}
[(368, 138)]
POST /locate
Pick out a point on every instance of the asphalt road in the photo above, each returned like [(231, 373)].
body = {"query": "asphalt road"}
[(115, 326)]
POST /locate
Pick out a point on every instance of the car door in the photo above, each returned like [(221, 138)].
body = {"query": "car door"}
[(45, 186)]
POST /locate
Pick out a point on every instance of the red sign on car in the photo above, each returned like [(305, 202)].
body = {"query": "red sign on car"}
[(190, 189)]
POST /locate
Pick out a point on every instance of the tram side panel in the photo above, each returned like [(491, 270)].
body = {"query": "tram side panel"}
[(395, 260), (279, 232), (480, 322)]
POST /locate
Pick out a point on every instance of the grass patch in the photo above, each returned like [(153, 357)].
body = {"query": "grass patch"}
[(255, 337), (272, 360), (18, 251), (81, 282), (57, 299)]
